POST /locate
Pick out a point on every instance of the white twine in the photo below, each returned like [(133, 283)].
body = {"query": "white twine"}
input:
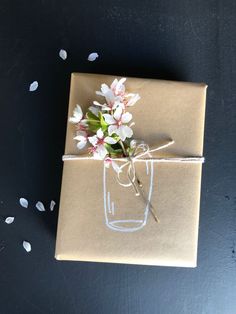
[(137, 158)]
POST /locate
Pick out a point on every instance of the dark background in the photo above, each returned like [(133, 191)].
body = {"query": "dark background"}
[(177, 40)]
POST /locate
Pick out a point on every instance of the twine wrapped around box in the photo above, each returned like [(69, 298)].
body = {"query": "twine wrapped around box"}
[(140, 151)]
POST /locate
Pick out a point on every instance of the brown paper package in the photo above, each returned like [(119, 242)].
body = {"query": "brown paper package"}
[(93, 206)]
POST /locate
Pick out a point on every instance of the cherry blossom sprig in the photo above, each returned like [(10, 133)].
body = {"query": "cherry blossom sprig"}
[(106, 126)]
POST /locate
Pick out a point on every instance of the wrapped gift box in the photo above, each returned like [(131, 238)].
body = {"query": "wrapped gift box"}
[(101, 221)]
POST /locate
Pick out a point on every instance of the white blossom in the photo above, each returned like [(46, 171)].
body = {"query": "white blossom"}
[(117, 123), (98, 141)]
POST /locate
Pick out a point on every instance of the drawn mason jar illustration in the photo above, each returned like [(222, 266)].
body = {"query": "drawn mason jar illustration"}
[(124, 211)]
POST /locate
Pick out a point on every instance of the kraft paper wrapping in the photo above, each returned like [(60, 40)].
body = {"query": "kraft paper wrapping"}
[(101, 221)]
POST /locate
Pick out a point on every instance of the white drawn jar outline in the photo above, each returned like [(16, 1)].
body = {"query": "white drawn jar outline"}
[(109, 206)]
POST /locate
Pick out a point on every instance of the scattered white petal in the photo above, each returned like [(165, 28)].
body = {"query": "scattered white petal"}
[(23, 202), (93, 56), (9, 220), (63, 54), (52, 204), (33, 86), (27, 246), (40, 206)]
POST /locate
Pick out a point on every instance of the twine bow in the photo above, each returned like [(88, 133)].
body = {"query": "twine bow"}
[(141, 149)]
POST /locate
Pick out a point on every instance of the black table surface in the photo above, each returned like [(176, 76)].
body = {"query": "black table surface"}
[(174, 40)]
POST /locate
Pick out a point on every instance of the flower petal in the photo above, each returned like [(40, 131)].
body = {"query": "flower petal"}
[(93, 56), (9, 220), (81, 144), (104, 106), (114, 83), (120, 86), (78, 111), (112, 129), (93, 140), (39, 205), (77, 115), (127, 131), (124, 131), (63, 54), (23, 202), (109, 118), (94, 110), (73, 120), (98, 92), (33, 86), (110, 140), (27, 246), (84, 122), (81, 133), (100, 152), (80, 138), (100, 133), (117, 113), (52, 204), (107, 162), (126, 117), (133, 100), (104, 88), (117, 104), (96, 103), (110, 97)]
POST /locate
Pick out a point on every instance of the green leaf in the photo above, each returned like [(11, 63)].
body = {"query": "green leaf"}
[(93, 122), (103, 123), (94, 127), (91, 116), (112, 150)]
